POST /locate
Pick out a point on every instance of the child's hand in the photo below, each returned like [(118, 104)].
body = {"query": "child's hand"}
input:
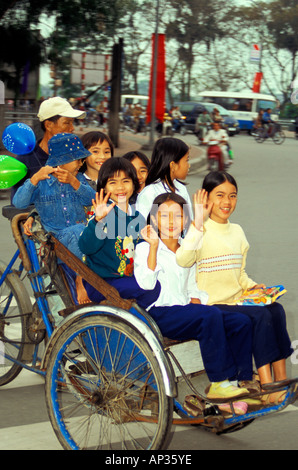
[(100, 205), (42, 174), (150, 236), (258, 286), (202, 208), (64, 176), (28, 226)]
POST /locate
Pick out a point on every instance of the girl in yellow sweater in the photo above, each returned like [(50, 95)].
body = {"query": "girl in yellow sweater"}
[(219, 250)]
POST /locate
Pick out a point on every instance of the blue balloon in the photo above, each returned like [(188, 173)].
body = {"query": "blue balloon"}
[(18, 138)]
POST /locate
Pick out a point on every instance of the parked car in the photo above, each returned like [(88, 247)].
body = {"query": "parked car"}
[(190, 111)]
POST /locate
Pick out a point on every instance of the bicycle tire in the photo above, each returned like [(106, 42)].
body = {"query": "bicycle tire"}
[(104, 388), (260, 136), (279, 137), (14, 305)]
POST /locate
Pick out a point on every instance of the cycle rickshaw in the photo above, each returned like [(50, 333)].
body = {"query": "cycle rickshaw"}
[(111, 380)]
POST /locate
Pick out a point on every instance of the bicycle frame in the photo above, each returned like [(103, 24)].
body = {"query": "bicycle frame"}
[(38, 288)]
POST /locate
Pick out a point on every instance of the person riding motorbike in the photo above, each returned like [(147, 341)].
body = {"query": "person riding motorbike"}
[(176, 116), (202, 125), (217, 140)]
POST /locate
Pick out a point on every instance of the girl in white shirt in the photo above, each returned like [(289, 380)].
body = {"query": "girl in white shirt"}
[(181, 311), (168, 169)]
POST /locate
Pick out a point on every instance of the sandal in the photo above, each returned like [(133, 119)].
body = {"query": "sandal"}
[(277, 399), (194, 405), (253, 386)]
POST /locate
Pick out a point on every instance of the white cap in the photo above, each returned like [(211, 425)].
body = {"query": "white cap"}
[(57, 106)]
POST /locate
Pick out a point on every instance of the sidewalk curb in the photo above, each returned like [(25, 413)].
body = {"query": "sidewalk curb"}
[(134, 143)]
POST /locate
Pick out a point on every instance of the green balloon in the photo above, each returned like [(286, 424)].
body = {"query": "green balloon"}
[(11, 171)]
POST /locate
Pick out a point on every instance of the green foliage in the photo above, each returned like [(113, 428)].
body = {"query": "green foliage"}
[(290, 111), (282, 24), (191, 27)]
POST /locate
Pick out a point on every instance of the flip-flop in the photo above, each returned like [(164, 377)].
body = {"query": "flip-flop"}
[(280, 396)]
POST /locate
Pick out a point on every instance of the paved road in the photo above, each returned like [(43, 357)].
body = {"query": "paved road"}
[(267, 210)]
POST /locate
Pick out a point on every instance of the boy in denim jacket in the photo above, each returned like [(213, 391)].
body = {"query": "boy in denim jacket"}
[(59, 192)]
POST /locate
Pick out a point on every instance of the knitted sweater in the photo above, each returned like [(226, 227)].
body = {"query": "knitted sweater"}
[(220, 255), (109, 245)]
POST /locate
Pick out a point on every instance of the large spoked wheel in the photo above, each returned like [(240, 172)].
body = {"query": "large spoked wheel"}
[(260, 135), (279, 137), (15, 304), (104, 388)]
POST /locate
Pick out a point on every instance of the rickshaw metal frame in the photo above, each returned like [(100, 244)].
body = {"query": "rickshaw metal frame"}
[(127, 311)]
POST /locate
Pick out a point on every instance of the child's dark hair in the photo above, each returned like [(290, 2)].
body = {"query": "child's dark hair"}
[(161, 199), (215, 178), (91, 138), (112, 167), (130, 156), (165, 151)]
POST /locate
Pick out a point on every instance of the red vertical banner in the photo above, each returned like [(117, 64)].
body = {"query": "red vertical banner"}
[(257, 82), (160, 80)]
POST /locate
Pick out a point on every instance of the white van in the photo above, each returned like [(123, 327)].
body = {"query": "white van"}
[(134, 99), (244, 106)]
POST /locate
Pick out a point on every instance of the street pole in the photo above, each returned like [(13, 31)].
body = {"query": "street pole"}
[(115, 92), (154, 81), (261, 35)]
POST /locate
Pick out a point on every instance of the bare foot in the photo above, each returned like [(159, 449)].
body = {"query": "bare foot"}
[(82, 296)]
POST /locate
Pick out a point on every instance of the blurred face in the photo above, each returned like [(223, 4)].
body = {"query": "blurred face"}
[(224, 199), (170, 220), (63, 124), (180, 169), (142, 171), (72, 167), (101, 152), (120, 187)]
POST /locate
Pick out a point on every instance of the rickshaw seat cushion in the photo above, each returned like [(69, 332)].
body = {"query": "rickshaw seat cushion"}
[(10, 211)]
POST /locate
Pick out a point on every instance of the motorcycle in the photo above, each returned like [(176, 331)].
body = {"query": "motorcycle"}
[(215, 156)]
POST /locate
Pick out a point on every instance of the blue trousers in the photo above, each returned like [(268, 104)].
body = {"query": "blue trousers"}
[(69, 237), (128, 288), (225, 338), (271, 340)]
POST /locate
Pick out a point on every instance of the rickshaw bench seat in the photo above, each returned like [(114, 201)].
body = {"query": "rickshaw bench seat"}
[(10, 211)]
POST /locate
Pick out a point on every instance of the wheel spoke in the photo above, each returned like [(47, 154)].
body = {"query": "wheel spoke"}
[(109, 395), (14, 305)]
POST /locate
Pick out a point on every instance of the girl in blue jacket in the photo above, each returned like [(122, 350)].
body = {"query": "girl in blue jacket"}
[(110, 238)]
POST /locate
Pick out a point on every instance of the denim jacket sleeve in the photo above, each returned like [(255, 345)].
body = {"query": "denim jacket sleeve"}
[(25, 195), (85, 191)]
